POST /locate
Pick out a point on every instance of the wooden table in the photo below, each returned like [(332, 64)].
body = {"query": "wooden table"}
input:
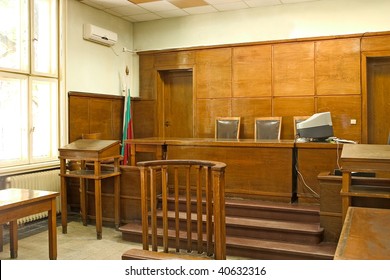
[(365, 235), (96, 151), (362, 158), (19, 203), (153, 145)]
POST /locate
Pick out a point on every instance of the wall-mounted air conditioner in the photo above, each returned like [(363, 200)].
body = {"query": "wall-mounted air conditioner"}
[(99, 35)]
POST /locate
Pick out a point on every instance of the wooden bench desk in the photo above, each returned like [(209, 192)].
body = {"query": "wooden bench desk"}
[(19, 203), (365, 235), (363, 158)]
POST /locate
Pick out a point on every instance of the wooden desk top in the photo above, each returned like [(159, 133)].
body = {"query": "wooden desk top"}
[(367, 152), (13, 197), (211, 142), (89, 145), (365, 235), (90, 149)]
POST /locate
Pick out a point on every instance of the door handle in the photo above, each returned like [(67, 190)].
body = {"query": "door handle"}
[(167, 123)]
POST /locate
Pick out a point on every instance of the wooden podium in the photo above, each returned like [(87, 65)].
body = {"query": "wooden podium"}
[(94, 151)]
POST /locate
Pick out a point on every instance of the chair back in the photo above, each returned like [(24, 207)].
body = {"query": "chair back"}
[(227, 127), (297, 120), (187, 199), (268, 128)]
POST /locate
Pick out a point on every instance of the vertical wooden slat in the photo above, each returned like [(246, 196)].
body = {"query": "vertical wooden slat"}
[(199, 209), (144, 208), (153, 207), (164, 178), (209, 211), (177, 221), (219, 215), (188, 210)]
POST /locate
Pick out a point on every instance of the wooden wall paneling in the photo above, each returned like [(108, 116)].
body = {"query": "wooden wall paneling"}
[(213, 73), (288, 107), (293, 69), (249, 109), (95, 113), (337, 67), (144, 118), (78, 113), (312, 159), (206, 112), (174, 60), (99, 108), (147, 76), (343, 109), (375, 43), (251, 71)]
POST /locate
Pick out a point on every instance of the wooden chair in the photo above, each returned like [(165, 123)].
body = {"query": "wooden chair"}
[(190, 224), (297, 120), (268, 128), (97, 135), (227, 127)]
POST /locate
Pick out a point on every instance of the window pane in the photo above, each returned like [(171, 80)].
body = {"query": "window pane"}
[(44, 119), (13, 120), (45, 37), (14, 36)]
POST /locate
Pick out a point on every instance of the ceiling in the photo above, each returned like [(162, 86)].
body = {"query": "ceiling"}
[(148, 10)]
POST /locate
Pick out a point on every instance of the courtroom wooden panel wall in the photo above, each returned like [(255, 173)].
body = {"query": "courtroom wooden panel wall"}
[(95, 113), (252, 71), (213, 73), (293, 69), (336, 67), (276, 78)]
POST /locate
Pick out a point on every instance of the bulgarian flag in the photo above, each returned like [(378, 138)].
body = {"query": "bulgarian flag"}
[(127, 127)]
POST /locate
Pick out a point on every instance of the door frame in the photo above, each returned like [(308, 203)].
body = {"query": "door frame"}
[(160, 116), (364, 58)]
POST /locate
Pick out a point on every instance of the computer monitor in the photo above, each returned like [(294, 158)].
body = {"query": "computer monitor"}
[(318, 127)]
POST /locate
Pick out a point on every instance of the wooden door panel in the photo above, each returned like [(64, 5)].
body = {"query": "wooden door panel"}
[(178, 104), (378, 95)]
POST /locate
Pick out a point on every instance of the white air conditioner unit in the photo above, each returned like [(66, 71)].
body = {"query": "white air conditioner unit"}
[(99, 35)]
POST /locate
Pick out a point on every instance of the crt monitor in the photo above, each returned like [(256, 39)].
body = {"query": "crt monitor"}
[(318, 126)]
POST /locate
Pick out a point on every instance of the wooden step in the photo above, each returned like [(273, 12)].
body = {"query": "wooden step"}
[(253, 248), (295, 232), (273, 250), (263, 209)]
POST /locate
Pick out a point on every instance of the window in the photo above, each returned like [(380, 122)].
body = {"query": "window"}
[(28, 83)]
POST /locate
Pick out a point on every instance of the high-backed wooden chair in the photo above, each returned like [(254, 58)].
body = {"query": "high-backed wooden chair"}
[(188, 219), (297, 120), (268, 128), (227, 127)]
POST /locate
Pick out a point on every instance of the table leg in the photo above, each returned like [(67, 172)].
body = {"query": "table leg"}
[(83, 201), (98, 208), (52, 229), (346, 198), (64, 207), (13, 239), (117, 201), (1, 238)]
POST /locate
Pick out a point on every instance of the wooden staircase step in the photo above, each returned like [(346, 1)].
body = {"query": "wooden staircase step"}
[(272, 250), (255, 248), (252, 208), (296, 232)]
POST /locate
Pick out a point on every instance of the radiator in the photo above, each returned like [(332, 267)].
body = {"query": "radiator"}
[(44, 180)]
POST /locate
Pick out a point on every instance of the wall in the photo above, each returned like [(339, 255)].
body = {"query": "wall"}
[(318, 18), (91, 67)]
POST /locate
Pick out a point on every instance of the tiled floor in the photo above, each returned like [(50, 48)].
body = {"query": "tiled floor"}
[(79, 243)]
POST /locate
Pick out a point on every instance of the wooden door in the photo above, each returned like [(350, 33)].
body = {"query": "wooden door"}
[(378, 99), (177, 104)]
